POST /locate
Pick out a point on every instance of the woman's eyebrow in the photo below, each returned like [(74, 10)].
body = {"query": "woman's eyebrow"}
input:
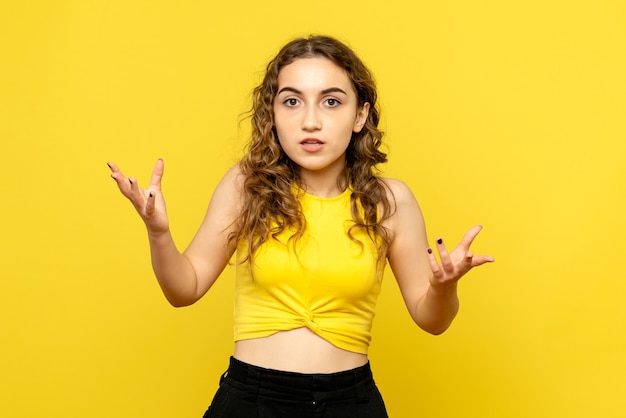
[(325, 91), (334, 90), (289, 89)]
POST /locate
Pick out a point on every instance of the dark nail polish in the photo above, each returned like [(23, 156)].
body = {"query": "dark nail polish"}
[(430, 251), (109, 165), (150, 195), (439, 241)]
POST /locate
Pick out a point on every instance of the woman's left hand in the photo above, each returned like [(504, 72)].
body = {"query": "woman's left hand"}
[(456, 263)]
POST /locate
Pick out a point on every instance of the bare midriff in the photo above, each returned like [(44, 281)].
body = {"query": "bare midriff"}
[(298, 350)]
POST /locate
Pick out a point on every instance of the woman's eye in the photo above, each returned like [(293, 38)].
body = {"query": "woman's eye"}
[(332, 102), (291, 102)]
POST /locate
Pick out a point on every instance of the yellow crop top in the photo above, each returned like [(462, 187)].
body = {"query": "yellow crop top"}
[(330, 284)]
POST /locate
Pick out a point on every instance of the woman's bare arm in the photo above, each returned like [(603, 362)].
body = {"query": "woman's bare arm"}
[(184, 277), (429, 289)]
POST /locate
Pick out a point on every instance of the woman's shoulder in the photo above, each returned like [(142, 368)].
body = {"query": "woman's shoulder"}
[(405, 211), (234, 172), (233, 179), (229, 190), (397, 190)]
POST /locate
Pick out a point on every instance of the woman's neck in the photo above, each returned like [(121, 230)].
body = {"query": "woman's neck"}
[(323, 186)]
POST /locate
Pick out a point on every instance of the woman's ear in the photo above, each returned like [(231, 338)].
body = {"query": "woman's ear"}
[(361, 117)]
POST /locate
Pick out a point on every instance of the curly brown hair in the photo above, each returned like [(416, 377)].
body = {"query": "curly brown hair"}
[(269, 175)]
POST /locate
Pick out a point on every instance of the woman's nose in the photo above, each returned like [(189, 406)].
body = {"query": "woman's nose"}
[(311, 120)]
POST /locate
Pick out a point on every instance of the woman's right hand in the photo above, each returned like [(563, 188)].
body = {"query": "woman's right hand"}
[(149, 203)]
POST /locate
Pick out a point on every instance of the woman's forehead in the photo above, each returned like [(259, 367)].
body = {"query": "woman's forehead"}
[(316, 73)]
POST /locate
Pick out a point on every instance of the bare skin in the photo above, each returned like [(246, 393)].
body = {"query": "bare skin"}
[(298, 350), (305, 110), (428, 287)]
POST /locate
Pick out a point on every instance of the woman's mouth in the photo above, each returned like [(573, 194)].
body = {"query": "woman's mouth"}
[(312, 144)]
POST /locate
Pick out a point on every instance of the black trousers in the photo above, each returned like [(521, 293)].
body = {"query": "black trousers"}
[(248, 391)]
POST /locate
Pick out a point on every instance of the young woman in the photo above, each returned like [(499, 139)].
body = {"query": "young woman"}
[(312, 226)]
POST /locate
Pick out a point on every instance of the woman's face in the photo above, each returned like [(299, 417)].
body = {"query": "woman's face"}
[(316, 111)]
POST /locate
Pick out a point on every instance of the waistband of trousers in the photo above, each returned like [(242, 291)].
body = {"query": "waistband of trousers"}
[(352, 382)]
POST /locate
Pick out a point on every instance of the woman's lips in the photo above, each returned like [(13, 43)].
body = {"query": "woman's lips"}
[(312, 144)]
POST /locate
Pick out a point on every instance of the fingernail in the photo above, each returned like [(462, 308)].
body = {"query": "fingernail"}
[(439, 241), (130, 181), (150, 195), (109, 165), (430, 251)]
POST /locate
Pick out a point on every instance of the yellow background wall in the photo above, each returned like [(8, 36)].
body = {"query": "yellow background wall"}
[(509, 114)]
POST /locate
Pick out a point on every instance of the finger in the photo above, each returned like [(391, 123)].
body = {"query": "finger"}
[(479, 260), (469, 237), (446, 261), (115, 171), (113, 167), (150, 204), (136, 194), (434, 266), (157, 175), (122, 182), (468, 260)]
